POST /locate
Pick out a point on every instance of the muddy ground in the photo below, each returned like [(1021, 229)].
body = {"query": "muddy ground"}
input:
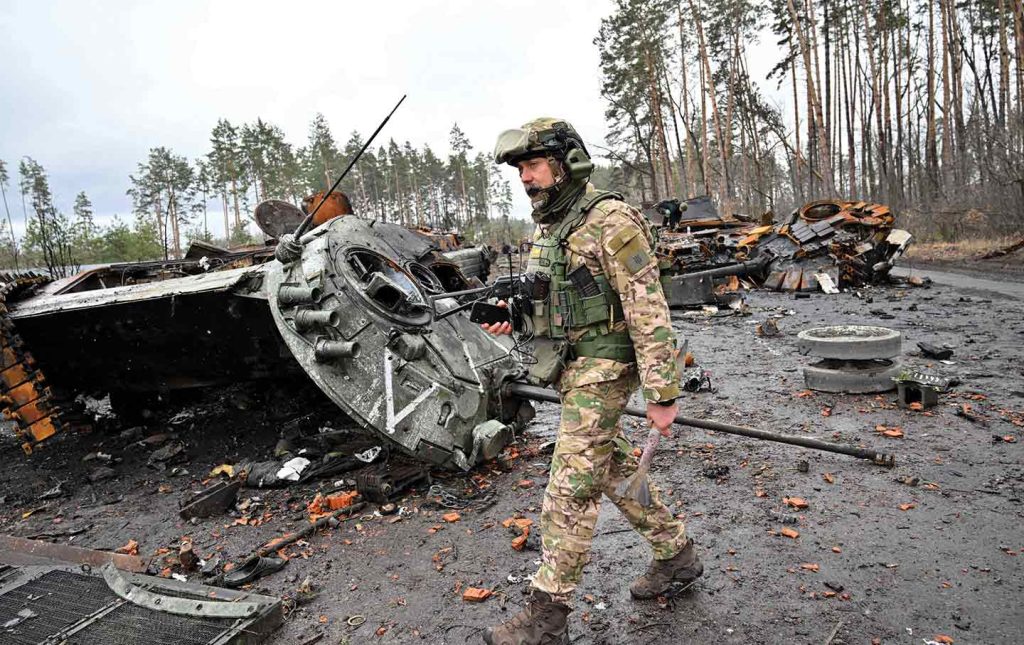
[(862, 569)]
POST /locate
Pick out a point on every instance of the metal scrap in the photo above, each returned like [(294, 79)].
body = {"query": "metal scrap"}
[(32, 551), (213, 501)]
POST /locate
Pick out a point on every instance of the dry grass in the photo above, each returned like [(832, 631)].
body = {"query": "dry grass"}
[(964, 250)]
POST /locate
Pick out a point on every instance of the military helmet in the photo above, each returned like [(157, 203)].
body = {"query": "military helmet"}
[(545, 136)]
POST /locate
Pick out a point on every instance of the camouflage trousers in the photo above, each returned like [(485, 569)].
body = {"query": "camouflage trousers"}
[(591, 458)]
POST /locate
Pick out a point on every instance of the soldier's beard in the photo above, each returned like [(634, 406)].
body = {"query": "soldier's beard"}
[(549, 203), (538, 196)]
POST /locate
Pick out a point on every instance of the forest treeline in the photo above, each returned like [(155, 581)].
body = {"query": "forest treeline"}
[(176, 199), (912, 103)]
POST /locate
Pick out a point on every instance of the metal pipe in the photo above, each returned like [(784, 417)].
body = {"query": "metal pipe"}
[(325, 349), (309, 318), (535, 393), (290, 295), (282, 541)]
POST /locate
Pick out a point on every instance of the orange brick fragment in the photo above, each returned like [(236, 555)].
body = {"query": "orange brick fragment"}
[(476, 594), (130, 548), (341, 500), (795, 502), (790, 533), (522, 523), (451, 517)]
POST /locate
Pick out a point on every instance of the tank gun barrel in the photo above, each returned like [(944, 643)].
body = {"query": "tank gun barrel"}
[(741, 269), (535, 393)]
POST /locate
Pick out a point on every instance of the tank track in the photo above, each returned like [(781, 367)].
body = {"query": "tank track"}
[(25, 396)]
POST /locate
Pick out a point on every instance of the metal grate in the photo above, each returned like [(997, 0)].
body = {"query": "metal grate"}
[(131, 625), (69, 600), (58, 598)]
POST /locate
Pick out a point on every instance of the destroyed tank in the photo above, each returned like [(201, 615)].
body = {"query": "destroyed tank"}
[(362, 314), (822, 245)]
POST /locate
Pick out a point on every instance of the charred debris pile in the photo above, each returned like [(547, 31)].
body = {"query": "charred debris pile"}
[(825, 245)]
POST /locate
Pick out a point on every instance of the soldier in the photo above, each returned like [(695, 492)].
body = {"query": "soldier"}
[(600, 328)]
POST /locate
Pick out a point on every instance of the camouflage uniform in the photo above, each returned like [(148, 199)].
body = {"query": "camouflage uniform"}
[(592, 456)]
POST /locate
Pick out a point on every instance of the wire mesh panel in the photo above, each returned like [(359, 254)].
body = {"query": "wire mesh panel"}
[(58, 598), (131, 625), (60, 601)]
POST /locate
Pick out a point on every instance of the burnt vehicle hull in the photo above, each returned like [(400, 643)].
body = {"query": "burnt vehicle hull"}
[(150, 328)]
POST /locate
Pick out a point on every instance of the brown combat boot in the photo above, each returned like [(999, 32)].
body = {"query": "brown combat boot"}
[(665, 575), (542, 622)]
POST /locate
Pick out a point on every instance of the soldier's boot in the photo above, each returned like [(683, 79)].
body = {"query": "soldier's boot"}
[(542, 622), (664, 575)]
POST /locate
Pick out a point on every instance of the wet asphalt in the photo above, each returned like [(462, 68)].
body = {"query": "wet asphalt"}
[(931, 547)]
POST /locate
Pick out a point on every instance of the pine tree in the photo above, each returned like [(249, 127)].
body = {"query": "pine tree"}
[(321, 156), (226, 168), (163, 188), (84, 228), (10, 244), (48, 235)]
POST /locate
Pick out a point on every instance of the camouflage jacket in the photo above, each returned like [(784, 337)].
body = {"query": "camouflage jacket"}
[(615, 240)]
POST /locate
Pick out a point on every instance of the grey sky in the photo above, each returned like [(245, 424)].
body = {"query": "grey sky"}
[(87, 88)]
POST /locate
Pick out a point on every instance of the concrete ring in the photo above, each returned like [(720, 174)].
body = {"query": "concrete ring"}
[(852, 377), (850, 342)]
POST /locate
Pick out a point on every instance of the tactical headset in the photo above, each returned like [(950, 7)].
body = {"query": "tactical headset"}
[(570, 147)]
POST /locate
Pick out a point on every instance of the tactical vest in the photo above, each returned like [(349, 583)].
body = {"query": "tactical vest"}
[(566, 311)]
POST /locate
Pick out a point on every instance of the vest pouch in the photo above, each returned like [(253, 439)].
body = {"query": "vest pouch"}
[(551, 356), (540, 317), (593, 310)]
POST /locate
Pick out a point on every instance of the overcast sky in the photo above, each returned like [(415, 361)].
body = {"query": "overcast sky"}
[(86, 89)]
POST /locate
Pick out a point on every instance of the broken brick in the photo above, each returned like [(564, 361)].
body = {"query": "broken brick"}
[(476, 594)]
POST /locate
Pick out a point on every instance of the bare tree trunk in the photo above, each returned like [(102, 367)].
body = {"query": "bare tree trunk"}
[(705, 157), (931, 152), (947, 128), (1004, 64), (879, 102), (797, 181), (724, 175), (658, 143), (224, 203), (238, 212), (958, 89), (688, 170), (814, 105), (849, 92), (172, 213), (897, 65), (1018, 32), (729, 109), (10, 225)]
